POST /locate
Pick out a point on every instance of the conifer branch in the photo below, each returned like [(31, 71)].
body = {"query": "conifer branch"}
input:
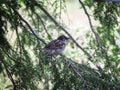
[(8, 73), (100, 47), (18, 39), (29, 27), (43, 24), (91, 26), (8, 55), (80, 75)]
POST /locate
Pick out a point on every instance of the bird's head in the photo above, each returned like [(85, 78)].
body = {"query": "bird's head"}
[(63, 38)]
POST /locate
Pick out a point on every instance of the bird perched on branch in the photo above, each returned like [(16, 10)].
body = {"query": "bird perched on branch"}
[(56, 46)]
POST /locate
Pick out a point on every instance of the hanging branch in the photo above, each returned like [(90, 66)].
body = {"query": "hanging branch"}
[(91, 26), (19, 42), (29, 27), (80, 75), (8, 55), (42, 24), (96, 36), (8, 73)]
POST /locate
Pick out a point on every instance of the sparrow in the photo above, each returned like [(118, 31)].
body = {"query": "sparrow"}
[(56, 46)]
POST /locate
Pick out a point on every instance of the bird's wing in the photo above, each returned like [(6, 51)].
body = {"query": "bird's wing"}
[(50, 44), (54, 45), (59, 44)]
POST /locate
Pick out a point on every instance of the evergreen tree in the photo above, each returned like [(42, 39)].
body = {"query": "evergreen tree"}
[(21, 21)]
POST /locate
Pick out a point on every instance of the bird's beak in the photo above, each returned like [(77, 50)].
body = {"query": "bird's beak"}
[(67, 38)]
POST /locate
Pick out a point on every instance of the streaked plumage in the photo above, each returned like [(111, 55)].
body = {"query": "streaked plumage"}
[(56, 46)]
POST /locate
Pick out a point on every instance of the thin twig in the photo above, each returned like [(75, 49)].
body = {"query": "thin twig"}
[(29, 27), (16, 29), (8, 55), (80, 75), (43, 24), (8, 73), (95, 33), (91, 26)]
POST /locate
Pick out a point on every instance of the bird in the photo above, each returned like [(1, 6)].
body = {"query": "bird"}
[(56, 46)]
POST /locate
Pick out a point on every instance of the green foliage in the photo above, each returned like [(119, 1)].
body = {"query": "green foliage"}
[(23, 67), (107, 14)]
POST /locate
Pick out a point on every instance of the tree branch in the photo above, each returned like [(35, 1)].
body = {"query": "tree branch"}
[(95, 34), (19, 42), (8, 73), (43, 24), (29, 27), (91, 26), (80, 75)]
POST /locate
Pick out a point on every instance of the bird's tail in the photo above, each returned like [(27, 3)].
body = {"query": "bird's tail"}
[(40, 49)]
